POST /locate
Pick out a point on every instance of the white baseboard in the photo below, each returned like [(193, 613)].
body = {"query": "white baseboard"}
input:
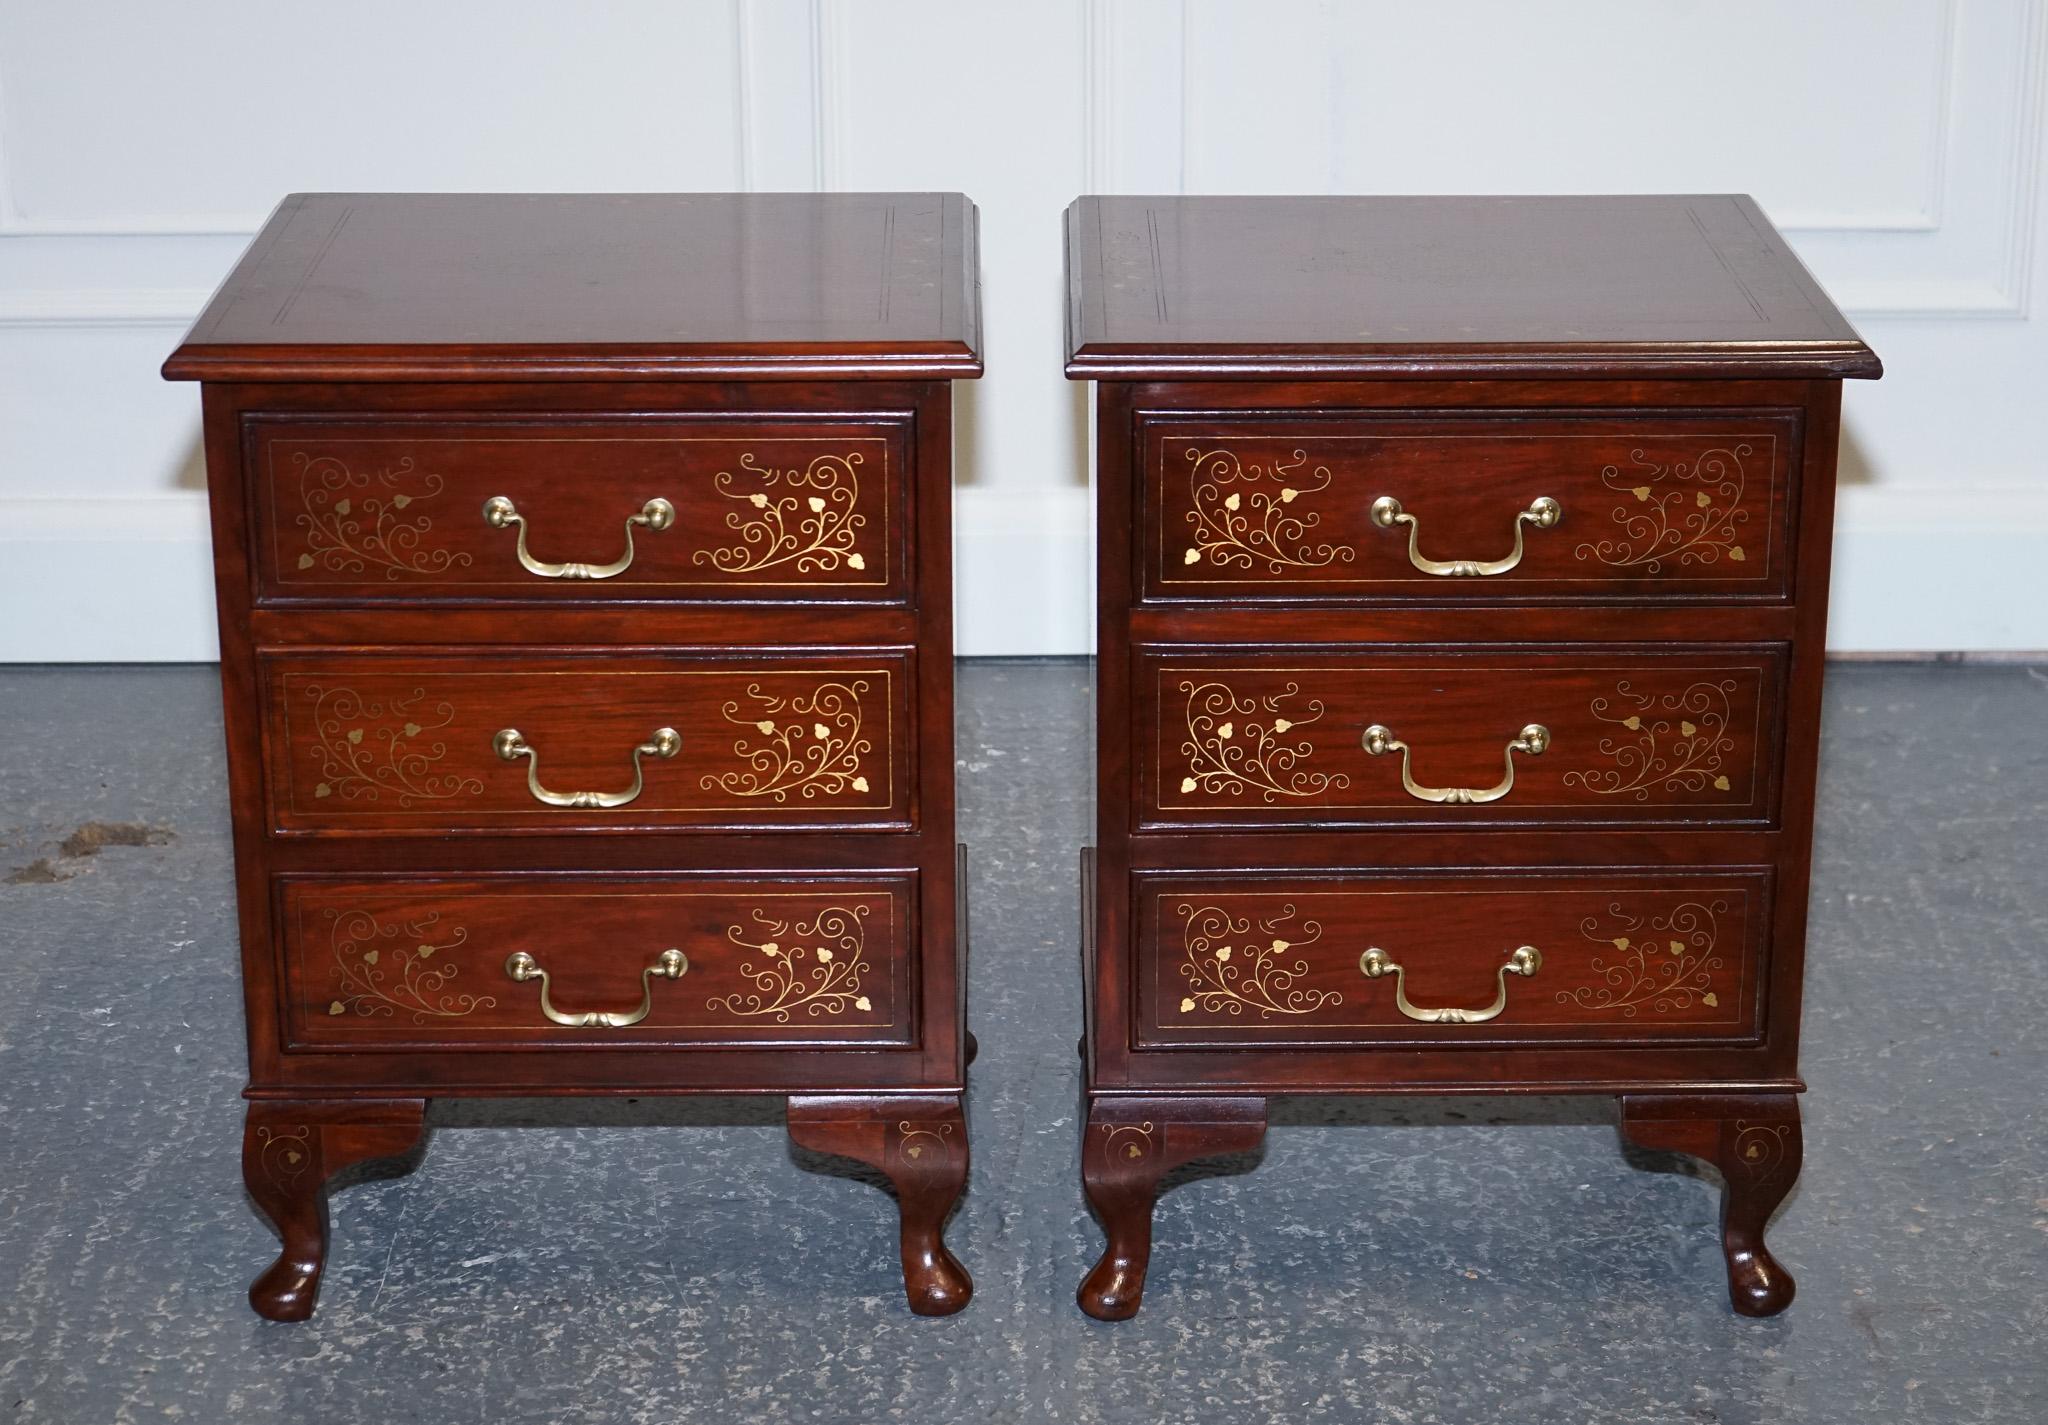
[(126, 579)]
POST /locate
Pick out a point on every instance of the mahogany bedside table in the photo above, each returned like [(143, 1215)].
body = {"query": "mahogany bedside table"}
[(1463, 584), (585, 581)]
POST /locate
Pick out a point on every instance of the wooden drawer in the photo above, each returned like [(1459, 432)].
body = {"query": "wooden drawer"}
[(1296, 507), (391, 962), (1244, 738), (1281, 959), (492, 742), (760, 509)]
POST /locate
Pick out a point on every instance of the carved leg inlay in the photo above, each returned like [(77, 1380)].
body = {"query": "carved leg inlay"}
[(1755, 1142), (920, 1145), (290, 1153), (1128, 1147)]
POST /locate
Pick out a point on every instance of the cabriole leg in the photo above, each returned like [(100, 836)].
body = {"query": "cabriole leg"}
[(1755, 1142), (920, 1145), (291, 1152), (1129, 1145)]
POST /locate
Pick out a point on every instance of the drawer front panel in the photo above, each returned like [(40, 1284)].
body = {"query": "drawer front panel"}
[(755, 510), (476, 743), (1282, 959), (1286, 739), (1325, 509), (392, 963)]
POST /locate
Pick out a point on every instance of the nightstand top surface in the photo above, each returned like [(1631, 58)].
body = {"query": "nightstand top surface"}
[(439, 286), (1658, 285)]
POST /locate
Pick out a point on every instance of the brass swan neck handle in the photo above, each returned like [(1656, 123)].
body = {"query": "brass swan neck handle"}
[(1530, 741), (1543, 512), (1524, 960), (511, 745), (671, 964), (657, 515)]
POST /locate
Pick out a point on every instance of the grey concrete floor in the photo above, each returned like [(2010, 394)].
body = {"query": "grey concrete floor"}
[(1424, 1261)]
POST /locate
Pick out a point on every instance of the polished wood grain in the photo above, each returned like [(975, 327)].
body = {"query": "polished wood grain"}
[(1247, 738), (1692, 285), (1278, 960), (376, 370), (1462, 357), (542, 286), (418, 962), (1652, 504), (408, 743), (385, 508)]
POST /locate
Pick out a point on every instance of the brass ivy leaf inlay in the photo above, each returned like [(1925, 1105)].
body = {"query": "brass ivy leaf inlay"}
[(1237, 743), (1681, 512), (1230, 967), (285, 1153), (1669, 961), (373, 987), (1245, 518), (356, 767), (814, 967), (917, 1139), (810, 745), (350, 534), (804, 518), (1677, 741)]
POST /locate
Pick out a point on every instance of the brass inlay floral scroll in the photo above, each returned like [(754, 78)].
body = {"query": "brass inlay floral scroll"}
[(285, 1153), (1230, 967), (1675, 512), (917, 1139), (1762, 1149), (814, 968), (383, 970), (1131, 1140), (1234, 744), (808, 745), (1244, 519), (355, 521), (804, 518), (368, 749), (1678, 742), (1669, 961)]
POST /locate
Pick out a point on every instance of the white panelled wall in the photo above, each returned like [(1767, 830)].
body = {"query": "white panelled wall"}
[(1898, 142)]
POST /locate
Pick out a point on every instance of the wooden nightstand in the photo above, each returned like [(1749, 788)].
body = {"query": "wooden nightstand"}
[(1463, 588), (585, 587)]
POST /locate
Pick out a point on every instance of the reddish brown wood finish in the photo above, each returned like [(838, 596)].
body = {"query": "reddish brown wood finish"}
[(291, 1153), (1281, 508), (582, 356), (1463, 356), (761, 509), (920, 1144), (407, 742), (1688, 285), (1756, 1145), (1280, 739)]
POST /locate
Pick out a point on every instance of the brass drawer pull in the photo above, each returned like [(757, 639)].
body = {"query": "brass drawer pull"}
[(512, 745), (1524, 960), (1543, 512), (657, 514), (1531, 741), (670, 964)]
